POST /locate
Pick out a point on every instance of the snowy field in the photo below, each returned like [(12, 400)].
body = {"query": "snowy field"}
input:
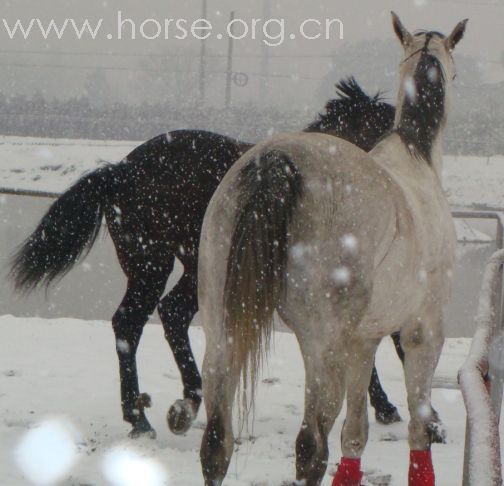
[(59, 377), (52, 165)]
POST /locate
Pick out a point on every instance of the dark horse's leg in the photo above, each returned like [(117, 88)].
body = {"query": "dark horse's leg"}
[(396, 337), (128, 322), (177, 310), (385, 412)]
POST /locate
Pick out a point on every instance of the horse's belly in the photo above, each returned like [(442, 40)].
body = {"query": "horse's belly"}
[(407, 286), (392, 305)]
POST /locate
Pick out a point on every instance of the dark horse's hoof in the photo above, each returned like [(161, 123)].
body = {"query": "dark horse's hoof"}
[(141, 426), (142, 429), (436, 429), (181, 416), (388, 416)]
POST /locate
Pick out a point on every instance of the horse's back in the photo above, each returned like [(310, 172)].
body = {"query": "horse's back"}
[(179, 162), (162, 189)]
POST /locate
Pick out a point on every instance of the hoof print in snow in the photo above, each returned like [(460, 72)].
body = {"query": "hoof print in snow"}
[(69, 170), (199, 425), (10, 373), (52, 168), (170, 376), (240, 440), (271, 381), (23, 424), (388, 437), (377, 479), (293, 409)]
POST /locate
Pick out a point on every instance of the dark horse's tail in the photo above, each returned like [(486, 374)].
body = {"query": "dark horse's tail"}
[(67, 231), (270, 189)]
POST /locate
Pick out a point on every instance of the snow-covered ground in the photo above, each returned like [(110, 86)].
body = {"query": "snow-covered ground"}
[(59, 389), (52, 165), (59, 378)]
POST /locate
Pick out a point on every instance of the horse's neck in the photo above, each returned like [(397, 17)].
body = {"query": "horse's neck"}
[(420, 124), (437, 156), (393, 155)]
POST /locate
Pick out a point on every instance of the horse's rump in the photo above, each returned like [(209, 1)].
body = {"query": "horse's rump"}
[(274, 191)]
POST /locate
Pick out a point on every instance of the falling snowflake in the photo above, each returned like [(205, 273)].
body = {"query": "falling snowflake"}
[(424, 411), (123, 466), (349, 243), (122, 346), (341, 275), (47, 452), (410, 88)]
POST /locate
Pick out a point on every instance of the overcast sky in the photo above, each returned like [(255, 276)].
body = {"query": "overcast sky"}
[(362, 19)]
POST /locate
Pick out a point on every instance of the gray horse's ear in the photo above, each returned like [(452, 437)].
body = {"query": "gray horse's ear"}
[(458, 32), (402, 33)]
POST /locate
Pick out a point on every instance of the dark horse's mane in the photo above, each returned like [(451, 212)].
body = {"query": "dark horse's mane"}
[(344, 115)]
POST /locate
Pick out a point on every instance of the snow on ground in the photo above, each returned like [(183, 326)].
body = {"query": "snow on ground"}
[(65, 372), (52, 165)]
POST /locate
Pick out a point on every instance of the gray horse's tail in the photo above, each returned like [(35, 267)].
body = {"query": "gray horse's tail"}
[(270, 189)]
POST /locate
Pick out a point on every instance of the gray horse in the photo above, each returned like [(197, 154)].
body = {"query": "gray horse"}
[(347, 247)]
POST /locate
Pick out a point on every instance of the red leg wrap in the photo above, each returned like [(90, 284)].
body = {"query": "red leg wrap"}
[(348, 473), (421, 472)]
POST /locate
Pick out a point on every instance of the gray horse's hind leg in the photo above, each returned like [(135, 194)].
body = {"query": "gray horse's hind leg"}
[(219, 388), (438, 432), (354, 435), (324, 393), (355, 428), (422, 343)]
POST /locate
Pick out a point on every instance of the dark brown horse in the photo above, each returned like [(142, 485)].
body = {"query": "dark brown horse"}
[(154, 202)]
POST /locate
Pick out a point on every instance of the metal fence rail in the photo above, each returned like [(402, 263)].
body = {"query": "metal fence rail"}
[(27, 192), (481, 378), (481, 383), (497, 215)]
